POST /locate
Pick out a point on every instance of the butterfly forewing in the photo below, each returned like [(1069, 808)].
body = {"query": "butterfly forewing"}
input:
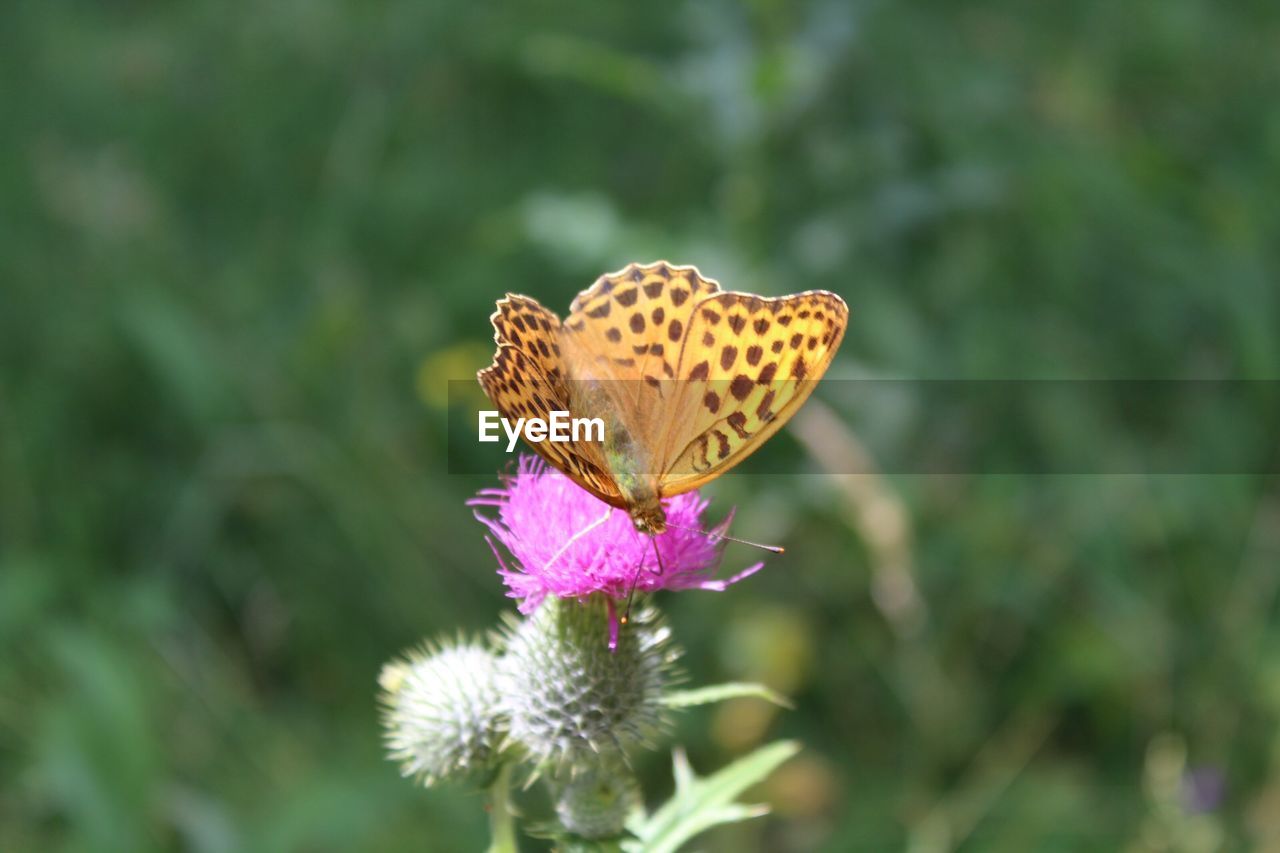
[(527, 380), (621, 342)]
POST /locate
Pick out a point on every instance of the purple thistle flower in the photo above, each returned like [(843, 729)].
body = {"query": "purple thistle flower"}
[(568, 543)]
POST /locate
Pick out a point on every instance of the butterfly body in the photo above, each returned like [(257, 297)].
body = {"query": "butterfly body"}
[(688, 380), (639, 493)]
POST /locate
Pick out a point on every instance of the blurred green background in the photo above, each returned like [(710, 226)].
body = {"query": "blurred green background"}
[(243, 247)]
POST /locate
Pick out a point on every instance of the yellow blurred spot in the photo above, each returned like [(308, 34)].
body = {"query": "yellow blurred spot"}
[(1262, 815), (1166, 762), (804, 787), (740, 724), (457, 364), (773, 645)]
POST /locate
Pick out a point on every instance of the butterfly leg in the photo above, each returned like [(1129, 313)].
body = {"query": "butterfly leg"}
[(626, 615)]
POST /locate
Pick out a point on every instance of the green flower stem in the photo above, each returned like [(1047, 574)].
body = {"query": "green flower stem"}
[(502, 825)]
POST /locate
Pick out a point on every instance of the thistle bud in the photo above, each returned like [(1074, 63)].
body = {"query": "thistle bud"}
[(595, 804), (570, 701), (442, 713)]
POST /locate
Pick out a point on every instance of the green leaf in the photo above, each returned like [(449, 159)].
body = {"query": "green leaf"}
[(699, 804), (721, 692)]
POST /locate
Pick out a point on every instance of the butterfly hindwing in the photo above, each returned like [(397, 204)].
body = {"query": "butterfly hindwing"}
[(747, 364)]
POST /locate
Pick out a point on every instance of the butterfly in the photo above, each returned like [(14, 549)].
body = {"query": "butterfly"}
[(688, 380)]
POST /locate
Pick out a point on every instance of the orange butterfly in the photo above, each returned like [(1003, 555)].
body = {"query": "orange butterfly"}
[(688, 380)]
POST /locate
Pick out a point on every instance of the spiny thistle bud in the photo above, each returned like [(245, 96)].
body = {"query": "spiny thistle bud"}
[(442, 712), (595, 804), (569, 700)]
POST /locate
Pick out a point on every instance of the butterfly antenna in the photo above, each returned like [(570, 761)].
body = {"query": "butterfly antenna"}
[(773, 549), (626, 614)]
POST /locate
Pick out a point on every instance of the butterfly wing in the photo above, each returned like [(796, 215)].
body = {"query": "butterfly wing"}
[(746, 366), (688, 380), (526, 380), (620, 343)]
